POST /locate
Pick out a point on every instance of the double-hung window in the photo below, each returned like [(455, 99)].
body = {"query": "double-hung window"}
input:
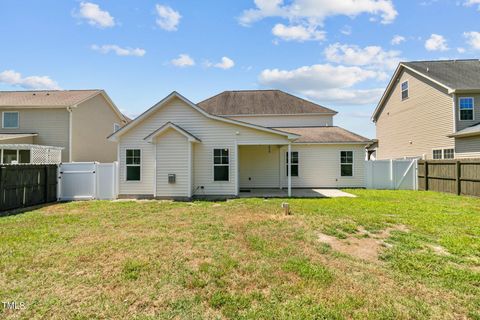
[(221, 165), (466, 108), (437, 154), (133, 163), (294, 164), (404, 90), (346, 163), (10, 120)]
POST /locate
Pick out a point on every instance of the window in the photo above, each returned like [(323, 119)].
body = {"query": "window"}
[(9, 156), (404, 90), (448, 153), (133, 162), (466, 108), (116, 127), (294, 165), (221, 166), (437, 154), (10, 120), (346, 163)]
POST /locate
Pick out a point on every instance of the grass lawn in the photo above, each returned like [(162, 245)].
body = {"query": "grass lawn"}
[(245, 259)]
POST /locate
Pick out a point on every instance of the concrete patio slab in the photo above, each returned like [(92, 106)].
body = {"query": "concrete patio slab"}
[(296, 193)]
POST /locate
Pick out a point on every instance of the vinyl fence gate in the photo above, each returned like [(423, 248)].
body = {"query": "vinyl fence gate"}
[(87, 181), (391, 174)]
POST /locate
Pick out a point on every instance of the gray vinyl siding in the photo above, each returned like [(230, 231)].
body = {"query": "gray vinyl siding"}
[(212, 133), (52, 126), (172, 158), (467, 147), (417, 125), (462, 124)]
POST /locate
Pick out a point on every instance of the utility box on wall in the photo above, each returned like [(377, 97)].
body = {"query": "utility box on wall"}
[(171, 178)]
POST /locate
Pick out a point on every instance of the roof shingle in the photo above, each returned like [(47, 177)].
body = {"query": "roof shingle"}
[(324, 135), (47, 98), (260, 102)]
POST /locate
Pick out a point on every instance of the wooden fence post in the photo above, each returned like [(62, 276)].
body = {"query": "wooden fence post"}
[(458, 173), (2, 187), (45, 194), (425, 169)]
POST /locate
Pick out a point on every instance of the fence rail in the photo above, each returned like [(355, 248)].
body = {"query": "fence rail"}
[(461, 177), (27, 185)]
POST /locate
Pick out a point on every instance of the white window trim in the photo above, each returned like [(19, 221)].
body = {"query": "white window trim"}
[(459, 108), (229, 164), (443, 153), (298, 164), (134, 165), (442, 149), (401, 90), (340, 164), (3, 120), (116, 124)]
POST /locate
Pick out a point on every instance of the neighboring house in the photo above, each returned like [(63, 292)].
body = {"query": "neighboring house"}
[(430, 110), (235, 140), (78, 121)]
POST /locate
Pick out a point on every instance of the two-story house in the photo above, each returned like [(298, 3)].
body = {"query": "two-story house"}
[(234, 142), (78, 121), (430, 110)]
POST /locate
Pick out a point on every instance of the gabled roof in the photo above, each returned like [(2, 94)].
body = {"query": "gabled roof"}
[(171, 125), (467, 132), (53, 99), (325, 135), (260, 102), (453, 75), (114, 136)]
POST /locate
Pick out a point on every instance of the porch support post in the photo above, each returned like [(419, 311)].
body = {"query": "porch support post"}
[(289, 170), (190, 145), (237, 169)]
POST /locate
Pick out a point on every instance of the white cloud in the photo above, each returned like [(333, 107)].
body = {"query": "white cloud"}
[(347, 96), (316, 11), (461, 50), (346, 30), (95, 16), (183, 60), (473, 39), (297, 33), (167, 19), (119, 51), (470, 3), (396, 40), (14, 78), (225, 63), (372, 56), (436, 42)]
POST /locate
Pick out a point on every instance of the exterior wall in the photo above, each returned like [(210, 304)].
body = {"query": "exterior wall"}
[(467, 147), (52, 126), (212, 133), (416, 126), (319, 166), (288, 121), (25, 140), (92, 123), (462, 124), (172, 158), (259, 166)]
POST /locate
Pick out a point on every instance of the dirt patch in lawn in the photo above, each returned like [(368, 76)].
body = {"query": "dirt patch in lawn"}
[(363, 244)]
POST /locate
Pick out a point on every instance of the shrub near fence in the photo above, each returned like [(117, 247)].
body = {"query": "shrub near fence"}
[(27, 185), (461, 177)]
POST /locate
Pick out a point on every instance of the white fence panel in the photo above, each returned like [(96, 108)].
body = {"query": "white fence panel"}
[(392, 174), (87, 181)]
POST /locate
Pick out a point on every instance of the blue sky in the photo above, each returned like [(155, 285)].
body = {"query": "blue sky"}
[(340, 54)]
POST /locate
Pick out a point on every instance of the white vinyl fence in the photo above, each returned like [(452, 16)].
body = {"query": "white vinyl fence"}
[(87, 180), (391, 174)]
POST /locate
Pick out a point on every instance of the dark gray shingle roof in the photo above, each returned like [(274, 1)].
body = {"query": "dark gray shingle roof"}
[(324, 135), (455, 74), (250, 102)]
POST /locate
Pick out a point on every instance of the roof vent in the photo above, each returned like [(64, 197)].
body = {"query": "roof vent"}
[(34, 94), (48, 93), (428, 69)]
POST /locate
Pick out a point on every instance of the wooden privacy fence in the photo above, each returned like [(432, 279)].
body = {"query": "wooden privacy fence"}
[(27, 185), (461, 177)]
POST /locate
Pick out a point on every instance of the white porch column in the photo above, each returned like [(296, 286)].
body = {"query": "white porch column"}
[(289, 170), (237, 169), (190, 171)]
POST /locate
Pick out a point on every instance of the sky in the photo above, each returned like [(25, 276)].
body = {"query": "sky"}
[(340, 54)]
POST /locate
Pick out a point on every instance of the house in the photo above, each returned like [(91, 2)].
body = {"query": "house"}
[(235, 141), (430, 110), (77, 122)]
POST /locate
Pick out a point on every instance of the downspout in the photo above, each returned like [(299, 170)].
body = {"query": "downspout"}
[(70, 121)]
